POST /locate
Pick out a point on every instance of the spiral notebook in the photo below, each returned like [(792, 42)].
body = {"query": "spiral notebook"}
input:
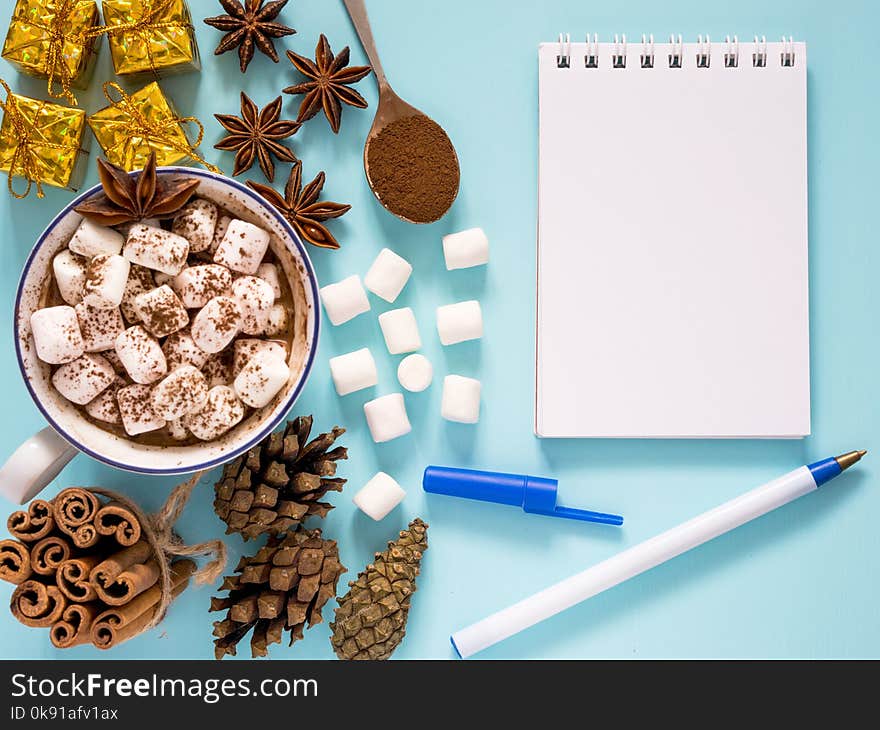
[(672, 240)]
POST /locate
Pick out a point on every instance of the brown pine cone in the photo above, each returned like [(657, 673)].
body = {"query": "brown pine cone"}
[(371, 618), (276, 485), (281, 588)]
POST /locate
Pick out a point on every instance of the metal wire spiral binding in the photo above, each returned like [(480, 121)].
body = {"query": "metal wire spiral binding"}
[(591, 58), (618, 57), (647, 57), (787, 56), (675, 55), (759, 57), (563, 58), (731, 53), (704, 52)]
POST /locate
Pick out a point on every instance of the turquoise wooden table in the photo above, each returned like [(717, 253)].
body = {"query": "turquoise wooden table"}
[(797, 583)]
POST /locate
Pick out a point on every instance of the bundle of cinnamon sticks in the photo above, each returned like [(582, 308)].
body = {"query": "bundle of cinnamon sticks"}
[(82, 569)]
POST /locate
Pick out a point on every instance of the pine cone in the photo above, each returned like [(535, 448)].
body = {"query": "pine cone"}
[(371, 618), (281, 588), (277, 484)]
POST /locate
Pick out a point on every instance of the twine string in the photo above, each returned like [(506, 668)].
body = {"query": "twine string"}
[(158, 529)]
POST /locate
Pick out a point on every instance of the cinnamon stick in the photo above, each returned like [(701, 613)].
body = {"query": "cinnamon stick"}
[(73, 627), (116, 520), (32, 524), (73, 578), (74, 510), (118, 625), (125, 574), (37, 605), (15, 561), (48, 554)]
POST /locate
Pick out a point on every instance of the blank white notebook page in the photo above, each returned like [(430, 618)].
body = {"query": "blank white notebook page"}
[(672, 245)]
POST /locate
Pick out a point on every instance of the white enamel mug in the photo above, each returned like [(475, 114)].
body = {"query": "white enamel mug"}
[(39, 459)]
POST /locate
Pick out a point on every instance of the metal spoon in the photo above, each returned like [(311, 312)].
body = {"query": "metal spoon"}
[(393, 109)]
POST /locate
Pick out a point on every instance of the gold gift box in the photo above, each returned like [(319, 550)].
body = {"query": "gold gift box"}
[(54, 150), (127, 141), (31, 40), (151, 37)]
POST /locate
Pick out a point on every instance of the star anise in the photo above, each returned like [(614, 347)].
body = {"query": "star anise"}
[(326, 86), (255, 135), (249, 24), (302, 209), (130, 198)]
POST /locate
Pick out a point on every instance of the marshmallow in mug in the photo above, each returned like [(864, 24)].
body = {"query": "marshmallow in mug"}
[(70, 276), (276, 322), (136, 410), (106, 278), (99, 327), (460, 322), (196, 222), (177, 430), (104, 407), (140, 280), (161, 311), (244, 350), (217, 370), (222, 412), (388, 275), (141, 355), (84, 379), (243, 247), (216, 325), (219, 233), (56, 335), (91, 239), (262, 379), (181, 349), (198, 285), (183, 391), (354, 371), (269, 274), (157, 249), (255, 299)]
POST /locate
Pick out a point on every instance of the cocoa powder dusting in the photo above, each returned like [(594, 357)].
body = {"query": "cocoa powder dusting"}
[(413, 169)]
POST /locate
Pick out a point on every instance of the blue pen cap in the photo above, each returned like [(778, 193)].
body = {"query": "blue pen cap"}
[(535, 495)]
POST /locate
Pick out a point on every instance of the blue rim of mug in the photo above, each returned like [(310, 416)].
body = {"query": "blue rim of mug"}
[(272, 423)]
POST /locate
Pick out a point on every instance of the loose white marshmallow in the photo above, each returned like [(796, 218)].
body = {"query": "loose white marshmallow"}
[(401, 331), (70, 275), (255, 298), (354, 371), (196, 222), (105, 408), (157, 249), (220, 232), (387, 419), (141, 355), (198, 285), (136, 410), (415, 373), (180, 349), (140, 280), (217, 324), (461, 399), (243, 247), (222, 411), (345, 300), (218, 370), (244, 350), (466, 249), (84, 379), (106, 277), (388, 275), (460, 322), (177, 430), (99, 327), (56, 335), (269, 274), (183, 391), (161, 311), (91, 239), (262, 379), (379, 496)]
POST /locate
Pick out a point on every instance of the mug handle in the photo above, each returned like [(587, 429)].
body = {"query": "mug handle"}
[(34, 465)]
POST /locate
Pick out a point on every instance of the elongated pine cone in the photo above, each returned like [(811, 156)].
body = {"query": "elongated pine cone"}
[(371, 618), (281, 588), (276, 485)]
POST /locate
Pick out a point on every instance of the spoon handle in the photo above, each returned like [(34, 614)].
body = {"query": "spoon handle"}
[(357, 11)]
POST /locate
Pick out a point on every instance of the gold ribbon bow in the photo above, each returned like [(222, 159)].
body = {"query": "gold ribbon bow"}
[(24, 156), (144, 25), (138, 126)]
